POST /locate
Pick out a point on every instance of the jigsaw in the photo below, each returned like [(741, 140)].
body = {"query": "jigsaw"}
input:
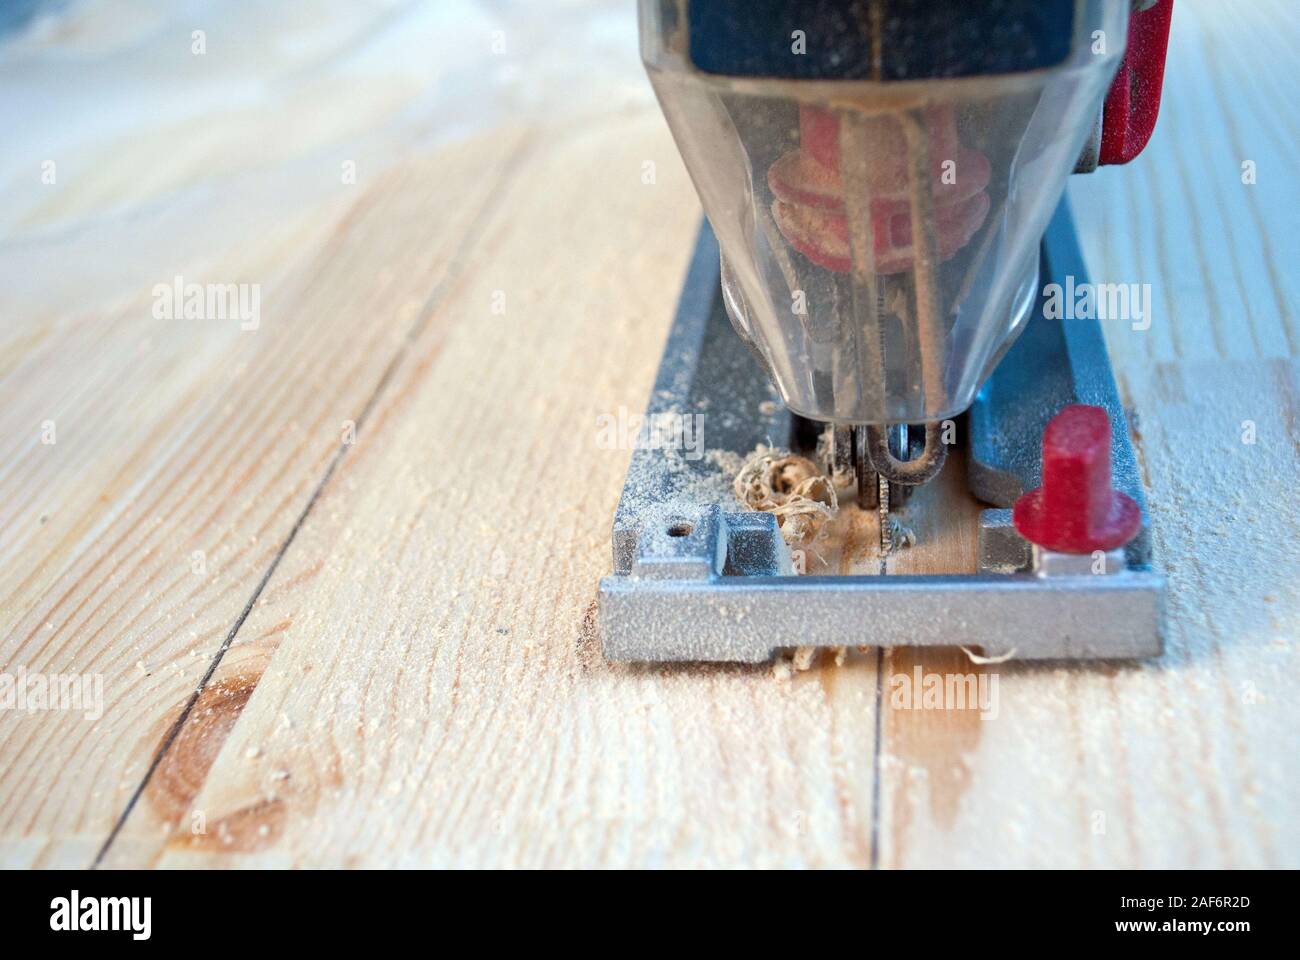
[(883, 183)]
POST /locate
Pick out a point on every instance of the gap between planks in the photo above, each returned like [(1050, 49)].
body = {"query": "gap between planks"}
[(474, 235)]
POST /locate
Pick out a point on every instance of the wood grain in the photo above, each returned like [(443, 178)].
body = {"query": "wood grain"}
[(439, 698), (1184, 761), (392, 655), (175, 483)]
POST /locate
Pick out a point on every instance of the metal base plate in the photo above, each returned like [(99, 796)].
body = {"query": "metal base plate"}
[(698, 578)]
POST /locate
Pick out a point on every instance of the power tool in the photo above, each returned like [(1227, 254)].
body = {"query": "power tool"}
[(877, 286)]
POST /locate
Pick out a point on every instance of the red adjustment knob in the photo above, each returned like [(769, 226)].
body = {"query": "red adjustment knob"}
[(1133, 103), (1076, 510)]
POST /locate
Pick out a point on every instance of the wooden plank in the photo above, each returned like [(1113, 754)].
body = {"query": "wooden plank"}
[(435, 692), (1183, 761), (181, 466), (418, 679)]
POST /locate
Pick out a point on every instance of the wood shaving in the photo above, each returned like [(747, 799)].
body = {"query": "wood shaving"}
[(792, 488), (977, 659)]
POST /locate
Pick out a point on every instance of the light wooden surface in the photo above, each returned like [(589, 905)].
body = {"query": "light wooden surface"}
[(388, 654)]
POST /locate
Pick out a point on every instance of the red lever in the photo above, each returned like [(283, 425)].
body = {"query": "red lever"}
[(1076, 510), (1133, 103)]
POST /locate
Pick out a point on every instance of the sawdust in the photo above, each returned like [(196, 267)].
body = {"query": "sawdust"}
[(792, 488), (728, 461), (803, 658)]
